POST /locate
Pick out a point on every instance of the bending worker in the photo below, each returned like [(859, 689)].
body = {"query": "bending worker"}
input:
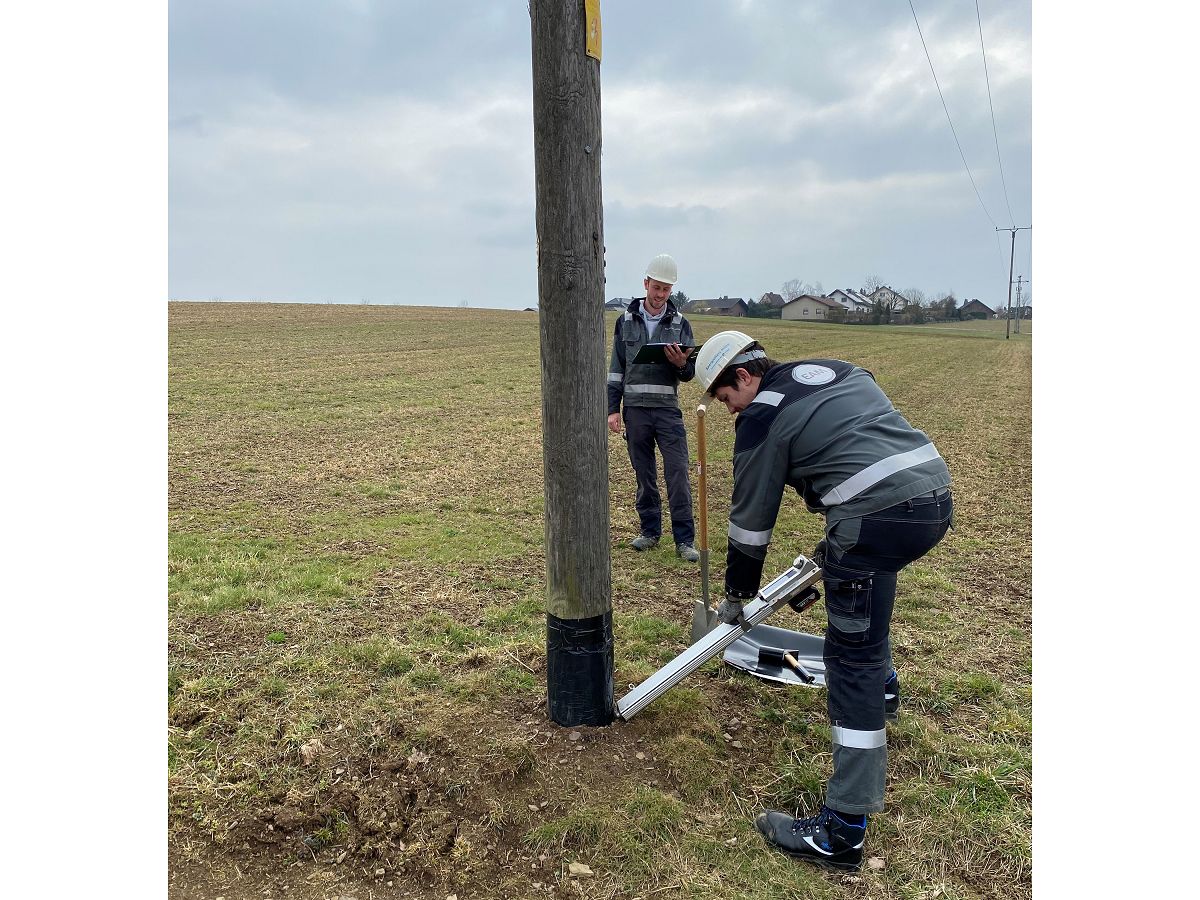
[(823, 427), (650, 392)]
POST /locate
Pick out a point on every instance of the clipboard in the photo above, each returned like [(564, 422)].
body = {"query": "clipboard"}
[(656, 353)]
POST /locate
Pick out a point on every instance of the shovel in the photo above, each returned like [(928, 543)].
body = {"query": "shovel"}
[(704, 617)]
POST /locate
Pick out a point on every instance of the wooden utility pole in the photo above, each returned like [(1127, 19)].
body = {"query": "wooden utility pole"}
[(1011, 250), (570, 262)]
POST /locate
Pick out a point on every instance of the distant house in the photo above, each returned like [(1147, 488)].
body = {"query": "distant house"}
[(719, 306), (851, 301), (771, 299), (890, 298), (973, 309), (806, 307), (618, 303), (529, 309)]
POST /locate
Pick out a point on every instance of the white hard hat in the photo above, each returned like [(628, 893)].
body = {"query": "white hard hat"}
[(721, 351), (662, 268)]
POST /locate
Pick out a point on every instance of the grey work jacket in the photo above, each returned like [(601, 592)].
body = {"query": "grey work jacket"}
[(647, 384), (826, 429)]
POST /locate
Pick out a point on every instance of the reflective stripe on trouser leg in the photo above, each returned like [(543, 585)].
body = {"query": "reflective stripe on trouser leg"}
[(859, 738), (859, 607)]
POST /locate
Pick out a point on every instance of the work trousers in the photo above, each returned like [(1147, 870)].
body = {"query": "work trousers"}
[(862, 560), (645, 427)]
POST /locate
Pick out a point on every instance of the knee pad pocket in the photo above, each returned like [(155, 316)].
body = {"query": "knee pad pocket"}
[(848, 607)]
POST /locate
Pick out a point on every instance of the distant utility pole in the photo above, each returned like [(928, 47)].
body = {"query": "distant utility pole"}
[(570, 264), (1019, 308), (1012, 248)]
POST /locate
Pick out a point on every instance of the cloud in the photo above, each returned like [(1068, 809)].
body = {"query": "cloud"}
[(349, 147), (362, 156)]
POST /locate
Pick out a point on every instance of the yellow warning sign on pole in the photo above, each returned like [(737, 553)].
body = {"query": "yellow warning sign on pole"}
[(592, 14)]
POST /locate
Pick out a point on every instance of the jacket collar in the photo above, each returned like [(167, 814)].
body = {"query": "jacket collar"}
[(668, 313)]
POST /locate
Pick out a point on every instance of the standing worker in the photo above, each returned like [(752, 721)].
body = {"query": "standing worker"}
[(652, 415), (824, 427)]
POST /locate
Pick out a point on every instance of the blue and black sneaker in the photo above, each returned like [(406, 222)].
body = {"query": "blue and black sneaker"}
[(891, 697), (826, 839)]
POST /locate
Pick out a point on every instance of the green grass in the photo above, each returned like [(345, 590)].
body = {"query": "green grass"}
[(355, 582)]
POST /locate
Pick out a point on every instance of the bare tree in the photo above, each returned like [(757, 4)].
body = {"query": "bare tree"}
[(871, 284), (813, 289), (915, 296), (886, 303), (791, 290), (945, 307)]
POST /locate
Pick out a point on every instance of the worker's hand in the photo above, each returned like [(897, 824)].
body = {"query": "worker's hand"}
[(676, 355), (614, 423), (730, 611)]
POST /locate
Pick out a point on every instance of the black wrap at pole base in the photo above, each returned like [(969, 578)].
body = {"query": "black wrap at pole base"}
[(579, 670)]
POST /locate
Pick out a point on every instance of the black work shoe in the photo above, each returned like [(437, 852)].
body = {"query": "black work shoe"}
[(643, 542), (824, 839), (687, 552), (891, 698)]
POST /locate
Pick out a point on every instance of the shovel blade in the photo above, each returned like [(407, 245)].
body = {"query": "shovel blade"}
[(704, 620), (704, 617)]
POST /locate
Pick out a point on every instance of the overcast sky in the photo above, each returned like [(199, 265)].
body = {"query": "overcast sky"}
[(353, 150)]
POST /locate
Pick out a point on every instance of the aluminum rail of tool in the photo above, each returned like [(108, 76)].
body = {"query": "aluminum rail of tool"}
[(800, 575)]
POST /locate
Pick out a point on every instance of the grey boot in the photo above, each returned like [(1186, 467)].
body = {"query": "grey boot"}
[(643, 542), (687, 552)]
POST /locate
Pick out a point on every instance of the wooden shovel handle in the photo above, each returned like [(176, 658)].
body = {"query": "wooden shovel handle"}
[(702, 476)]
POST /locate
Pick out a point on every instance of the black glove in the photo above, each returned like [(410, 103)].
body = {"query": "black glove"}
[(730, 611), (819, 554)]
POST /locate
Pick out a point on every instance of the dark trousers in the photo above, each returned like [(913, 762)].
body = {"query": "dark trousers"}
[(863, 557), (646, 426)]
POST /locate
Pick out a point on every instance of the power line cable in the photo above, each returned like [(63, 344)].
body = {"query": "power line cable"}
[(992, 109), (1028, 261), (948, 119), (999, 250)]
